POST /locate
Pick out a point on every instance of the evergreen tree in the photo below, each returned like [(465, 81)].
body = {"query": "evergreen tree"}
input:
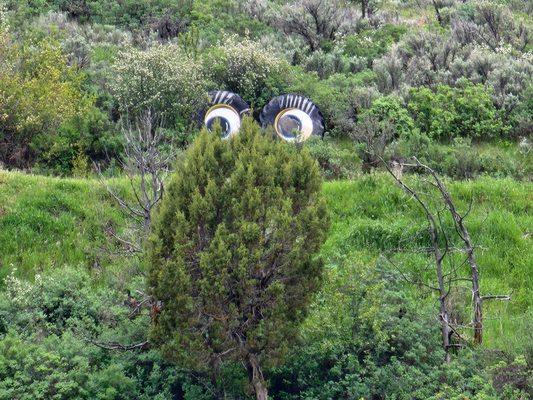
[(233, 254)]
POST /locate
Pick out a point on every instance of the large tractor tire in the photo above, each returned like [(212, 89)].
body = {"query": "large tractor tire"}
[(226, 109), (295, 118)]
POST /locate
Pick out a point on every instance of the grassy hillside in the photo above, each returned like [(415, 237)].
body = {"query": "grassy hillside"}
[(51, 222)]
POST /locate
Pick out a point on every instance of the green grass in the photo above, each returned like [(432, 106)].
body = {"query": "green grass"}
[(51, 222)]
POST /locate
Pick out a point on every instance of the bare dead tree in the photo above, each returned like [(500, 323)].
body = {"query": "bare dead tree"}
[(146, 166), (443, 286), (469, 249)]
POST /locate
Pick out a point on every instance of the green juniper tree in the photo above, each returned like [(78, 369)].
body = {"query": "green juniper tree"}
[(233, 252)]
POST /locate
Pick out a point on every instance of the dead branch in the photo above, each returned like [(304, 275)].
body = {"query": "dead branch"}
[(505, 297), (469, 246), (118, 346), (146, 166)]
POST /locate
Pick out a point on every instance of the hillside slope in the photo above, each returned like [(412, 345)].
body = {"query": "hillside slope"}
[(51, 222)]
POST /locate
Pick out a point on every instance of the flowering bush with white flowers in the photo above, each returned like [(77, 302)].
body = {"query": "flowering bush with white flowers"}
[(247, 68), (163, 79)]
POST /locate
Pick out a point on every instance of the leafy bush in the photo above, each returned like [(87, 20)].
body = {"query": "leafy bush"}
[(163, 79), (506, 75), (336, 161), (326, 64), (38, 93), (389, 73), (217, 18), (316, 22), (90, 136), (490, 24), (247, 68), (45, 350), (373, 43), (464, 111), (390, 109)]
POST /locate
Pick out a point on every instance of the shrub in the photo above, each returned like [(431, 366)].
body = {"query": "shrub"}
[(389, 109), (373, 43), (326, 64), (317, 22), (232, 257), (38, 93), (447, 113), (216, 18), (163, 79), (247, 68), (506, 74), (89, 137), (45, 328), (389, 73), (335, 160), (489, 24), (80, 41)]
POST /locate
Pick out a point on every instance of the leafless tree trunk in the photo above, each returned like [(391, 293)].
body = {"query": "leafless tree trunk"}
[(443, 291), (462, 231), (469, 249), (146, 167)]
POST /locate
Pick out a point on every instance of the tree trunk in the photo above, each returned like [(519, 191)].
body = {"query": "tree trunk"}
[(445, 328), (477, 300), (441, 288), (261, 392), (443, 315), (256, 378), (437, 12)]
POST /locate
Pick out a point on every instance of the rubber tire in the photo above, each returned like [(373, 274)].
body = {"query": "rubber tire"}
[(285, 101)]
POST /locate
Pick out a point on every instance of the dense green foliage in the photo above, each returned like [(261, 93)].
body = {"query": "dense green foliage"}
[(448, 113), (38, 92), (458, 70), (162, 79), (448, 81), (232, 256)]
